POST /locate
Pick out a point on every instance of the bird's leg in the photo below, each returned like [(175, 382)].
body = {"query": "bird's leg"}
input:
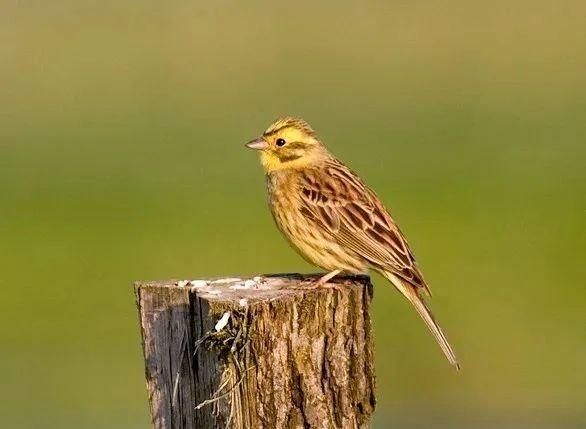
[(326, 278)]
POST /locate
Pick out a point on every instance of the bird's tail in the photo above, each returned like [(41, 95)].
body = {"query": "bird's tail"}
[(410, 292)]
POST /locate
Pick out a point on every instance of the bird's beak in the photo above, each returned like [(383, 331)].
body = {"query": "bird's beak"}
[(257, 144)]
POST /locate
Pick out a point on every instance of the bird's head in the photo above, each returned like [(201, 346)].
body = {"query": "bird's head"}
[(287, 143)]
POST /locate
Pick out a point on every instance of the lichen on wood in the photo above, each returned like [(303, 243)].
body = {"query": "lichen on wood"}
[(268, 352)]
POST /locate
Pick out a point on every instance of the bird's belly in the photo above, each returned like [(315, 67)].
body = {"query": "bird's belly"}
[(316, 245)]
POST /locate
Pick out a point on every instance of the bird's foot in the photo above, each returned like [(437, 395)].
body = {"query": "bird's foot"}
[(322, 281)]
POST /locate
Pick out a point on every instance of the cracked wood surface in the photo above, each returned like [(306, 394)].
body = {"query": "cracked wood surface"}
[(288, 357)]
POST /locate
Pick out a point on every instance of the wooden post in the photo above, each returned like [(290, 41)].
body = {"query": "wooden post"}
[(268, 353)]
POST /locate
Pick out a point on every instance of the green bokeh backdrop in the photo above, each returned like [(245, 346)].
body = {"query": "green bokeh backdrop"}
[(122, 126)]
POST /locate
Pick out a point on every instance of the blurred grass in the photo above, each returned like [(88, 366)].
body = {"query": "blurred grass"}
[(121, 158)]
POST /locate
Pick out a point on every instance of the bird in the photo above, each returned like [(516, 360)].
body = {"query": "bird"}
[(334, 220)]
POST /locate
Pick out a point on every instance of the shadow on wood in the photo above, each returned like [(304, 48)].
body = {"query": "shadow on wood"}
[(269, 352)]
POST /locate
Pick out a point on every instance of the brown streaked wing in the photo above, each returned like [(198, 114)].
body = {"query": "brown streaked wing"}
[(355, 218)]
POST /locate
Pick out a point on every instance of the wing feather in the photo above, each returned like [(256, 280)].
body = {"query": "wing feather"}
[(340, 202)]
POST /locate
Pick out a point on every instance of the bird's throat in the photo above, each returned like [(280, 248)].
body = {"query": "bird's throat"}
[(272, 162)]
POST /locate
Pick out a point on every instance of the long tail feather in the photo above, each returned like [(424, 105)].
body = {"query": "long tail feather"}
[(411, 293)]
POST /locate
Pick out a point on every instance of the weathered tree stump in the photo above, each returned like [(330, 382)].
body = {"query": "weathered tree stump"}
[(269, 352)]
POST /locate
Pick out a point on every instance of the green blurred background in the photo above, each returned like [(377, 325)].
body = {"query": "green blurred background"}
[(122, 126)]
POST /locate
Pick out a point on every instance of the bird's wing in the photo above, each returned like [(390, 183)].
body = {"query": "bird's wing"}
[(339, 202)]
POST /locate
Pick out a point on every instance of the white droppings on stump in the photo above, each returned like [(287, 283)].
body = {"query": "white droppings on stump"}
[(198, 283), (224, 281), (247, 284), (223, 321)]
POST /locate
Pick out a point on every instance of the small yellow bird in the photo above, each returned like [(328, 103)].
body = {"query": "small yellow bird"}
[(333, 219)]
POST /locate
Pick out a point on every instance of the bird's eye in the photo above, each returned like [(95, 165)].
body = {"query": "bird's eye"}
[(281, 142)]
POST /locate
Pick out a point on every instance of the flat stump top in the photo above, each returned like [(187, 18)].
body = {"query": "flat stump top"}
[(255, 289)]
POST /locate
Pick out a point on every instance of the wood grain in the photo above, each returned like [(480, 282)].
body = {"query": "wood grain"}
[(289, 356)]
